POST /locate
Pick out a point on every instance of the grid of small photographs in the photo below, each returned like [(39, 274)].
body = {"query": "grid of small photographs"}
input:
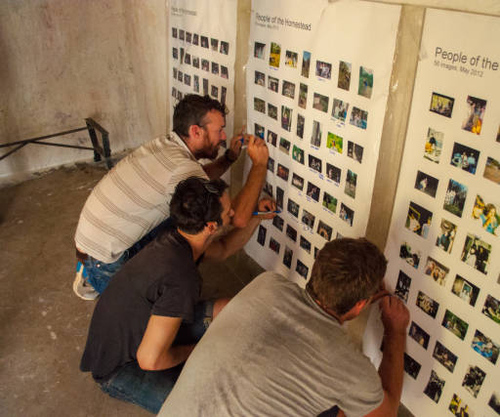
[(448, 236), (314, 116), (201, 65)]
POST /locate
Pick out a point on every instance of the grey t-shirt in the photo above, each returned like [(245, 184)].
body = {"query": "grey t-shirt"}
[(273, 352)]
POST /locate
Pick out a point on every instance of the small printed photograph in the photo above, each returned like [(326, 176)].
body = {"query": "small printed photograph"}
[(291, 59), (455, 324), (260, 78), (303, 96), (466, 290), (273, 84), (284, 146), (446, 237), (333, 173), (324, 230), (464, 157), (174, 33), (442, 105), (445, 357), (475, 114), (298, 154), (214, 43), (270, 165), (175, 53), (293, 208), (412, 257), (316, 134), (187, 79), (204, 42), (205, 65), (224, 73), (316, 250), (494, 402), (426, 183), (187, 59), (492, 170), (174, 92), (330, 202), (258, 50), (434, 387), (300, 125), (215, 68), (491, 308), (291, 232), (287, 257), (259, 131), (272, 138), (283, 172), (196, 39), (274, 245), (279, 197), (180, 75), (278, 222), (350, 183), (365, 87), (298, 182), (306, 64), (261, 236), (355, 151), (344, 81), (315, 163), (313, 191), (189, 36), (419, 335), (433, 145), (473, 380), (308, 219), (485, 347), (224, 48), (339, 111), (427, 304), (403, 286), (275, 55), (181, 34), (487, 214), (320, 102), (334, 142), (272, 111), (196, 62), (323, 70), (223, 94), (301, 269), (411, 366), (346, 214), (454, 199), (286, 118), (305, 244), (359, 118), (288, 89), (205, 87), (268, 189), (418, 220), (476, 253), (214, 92), (458, 408)]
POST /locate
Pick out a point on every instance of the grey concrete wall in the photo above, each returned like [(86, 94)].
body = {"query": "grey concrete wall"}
[(64, 60)]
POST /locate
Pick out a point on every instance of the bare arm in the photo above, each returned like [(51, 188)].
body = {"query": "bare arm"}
[(156, 351)]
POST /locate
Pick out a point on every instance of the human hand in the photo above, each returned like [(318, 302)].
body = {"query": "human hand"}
[(395, 315), (266, 204), (237, 143), (257, 151)]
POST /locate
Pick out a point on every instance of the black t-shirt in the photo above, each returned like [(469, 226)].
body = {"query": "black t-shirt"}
[(163, 280)]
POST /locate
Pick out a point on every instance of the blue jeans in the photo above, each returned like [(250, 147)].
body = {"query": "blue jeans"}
[(149, 389), (100, 273)]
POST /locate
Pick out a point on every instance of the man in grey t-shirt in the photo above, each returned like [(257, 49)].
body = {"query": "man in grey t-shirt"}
[(279, 350)]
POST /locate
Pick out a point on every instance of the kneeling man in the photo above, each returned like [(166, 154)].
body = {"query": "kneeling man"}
[(150, 317), (279, 350)]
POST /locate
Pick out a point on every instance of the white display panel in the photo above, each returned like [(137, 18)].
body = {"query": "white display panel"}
[(443, 249)]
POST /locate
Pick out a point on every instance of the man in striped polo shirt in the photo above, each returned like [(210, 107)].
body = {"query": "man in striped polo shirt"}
[(130, 205)]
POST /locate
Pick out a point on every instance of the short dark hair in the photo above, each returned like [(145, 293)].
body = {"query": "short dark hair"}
[(192, 109), (346, 271), (195, 202)]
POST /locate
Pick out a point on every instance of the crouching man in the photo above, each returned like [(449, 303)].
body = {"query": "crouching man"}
[(149, 318), (279, 350)]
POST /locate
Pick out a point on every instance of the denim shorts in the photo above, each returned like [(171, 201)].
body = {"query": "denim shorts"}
[(149, 389)]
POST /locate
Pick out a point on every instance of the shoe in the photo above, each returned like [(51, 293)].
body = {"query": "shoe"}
[(80, 285)]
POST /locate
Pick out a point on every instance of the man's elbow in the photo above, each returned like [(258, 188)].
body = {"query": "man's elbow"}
[(239, 221), (148, 362)]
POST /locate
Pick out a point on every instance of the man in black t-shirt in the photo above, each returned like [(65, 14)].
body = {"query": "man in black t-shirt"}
[(150, 317)]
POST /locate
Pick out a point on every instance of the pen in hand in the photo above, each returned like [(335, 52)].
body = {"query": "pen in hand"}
[(256, 213)]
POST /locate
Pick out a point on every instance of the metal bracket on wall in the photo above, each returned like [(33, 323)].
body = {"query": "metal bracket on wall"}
[(100, 151)]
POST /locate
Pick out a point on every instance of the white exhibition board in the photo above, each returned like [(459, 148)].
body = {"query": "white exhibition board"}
[(318, 78), (443, 248), (202, 43)]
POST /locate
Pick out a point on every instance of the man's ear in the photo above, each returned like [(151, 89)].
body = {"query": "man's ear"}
[(211, 227), (195, 131)]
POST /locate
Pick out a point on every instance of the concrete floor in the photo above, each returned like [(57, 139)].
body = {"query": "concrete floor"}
[(43, 324)]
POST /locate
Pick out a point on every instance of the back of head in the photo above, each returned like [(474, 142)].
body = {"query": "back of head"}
[(346, 271), (191, 110), (195, 202)]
